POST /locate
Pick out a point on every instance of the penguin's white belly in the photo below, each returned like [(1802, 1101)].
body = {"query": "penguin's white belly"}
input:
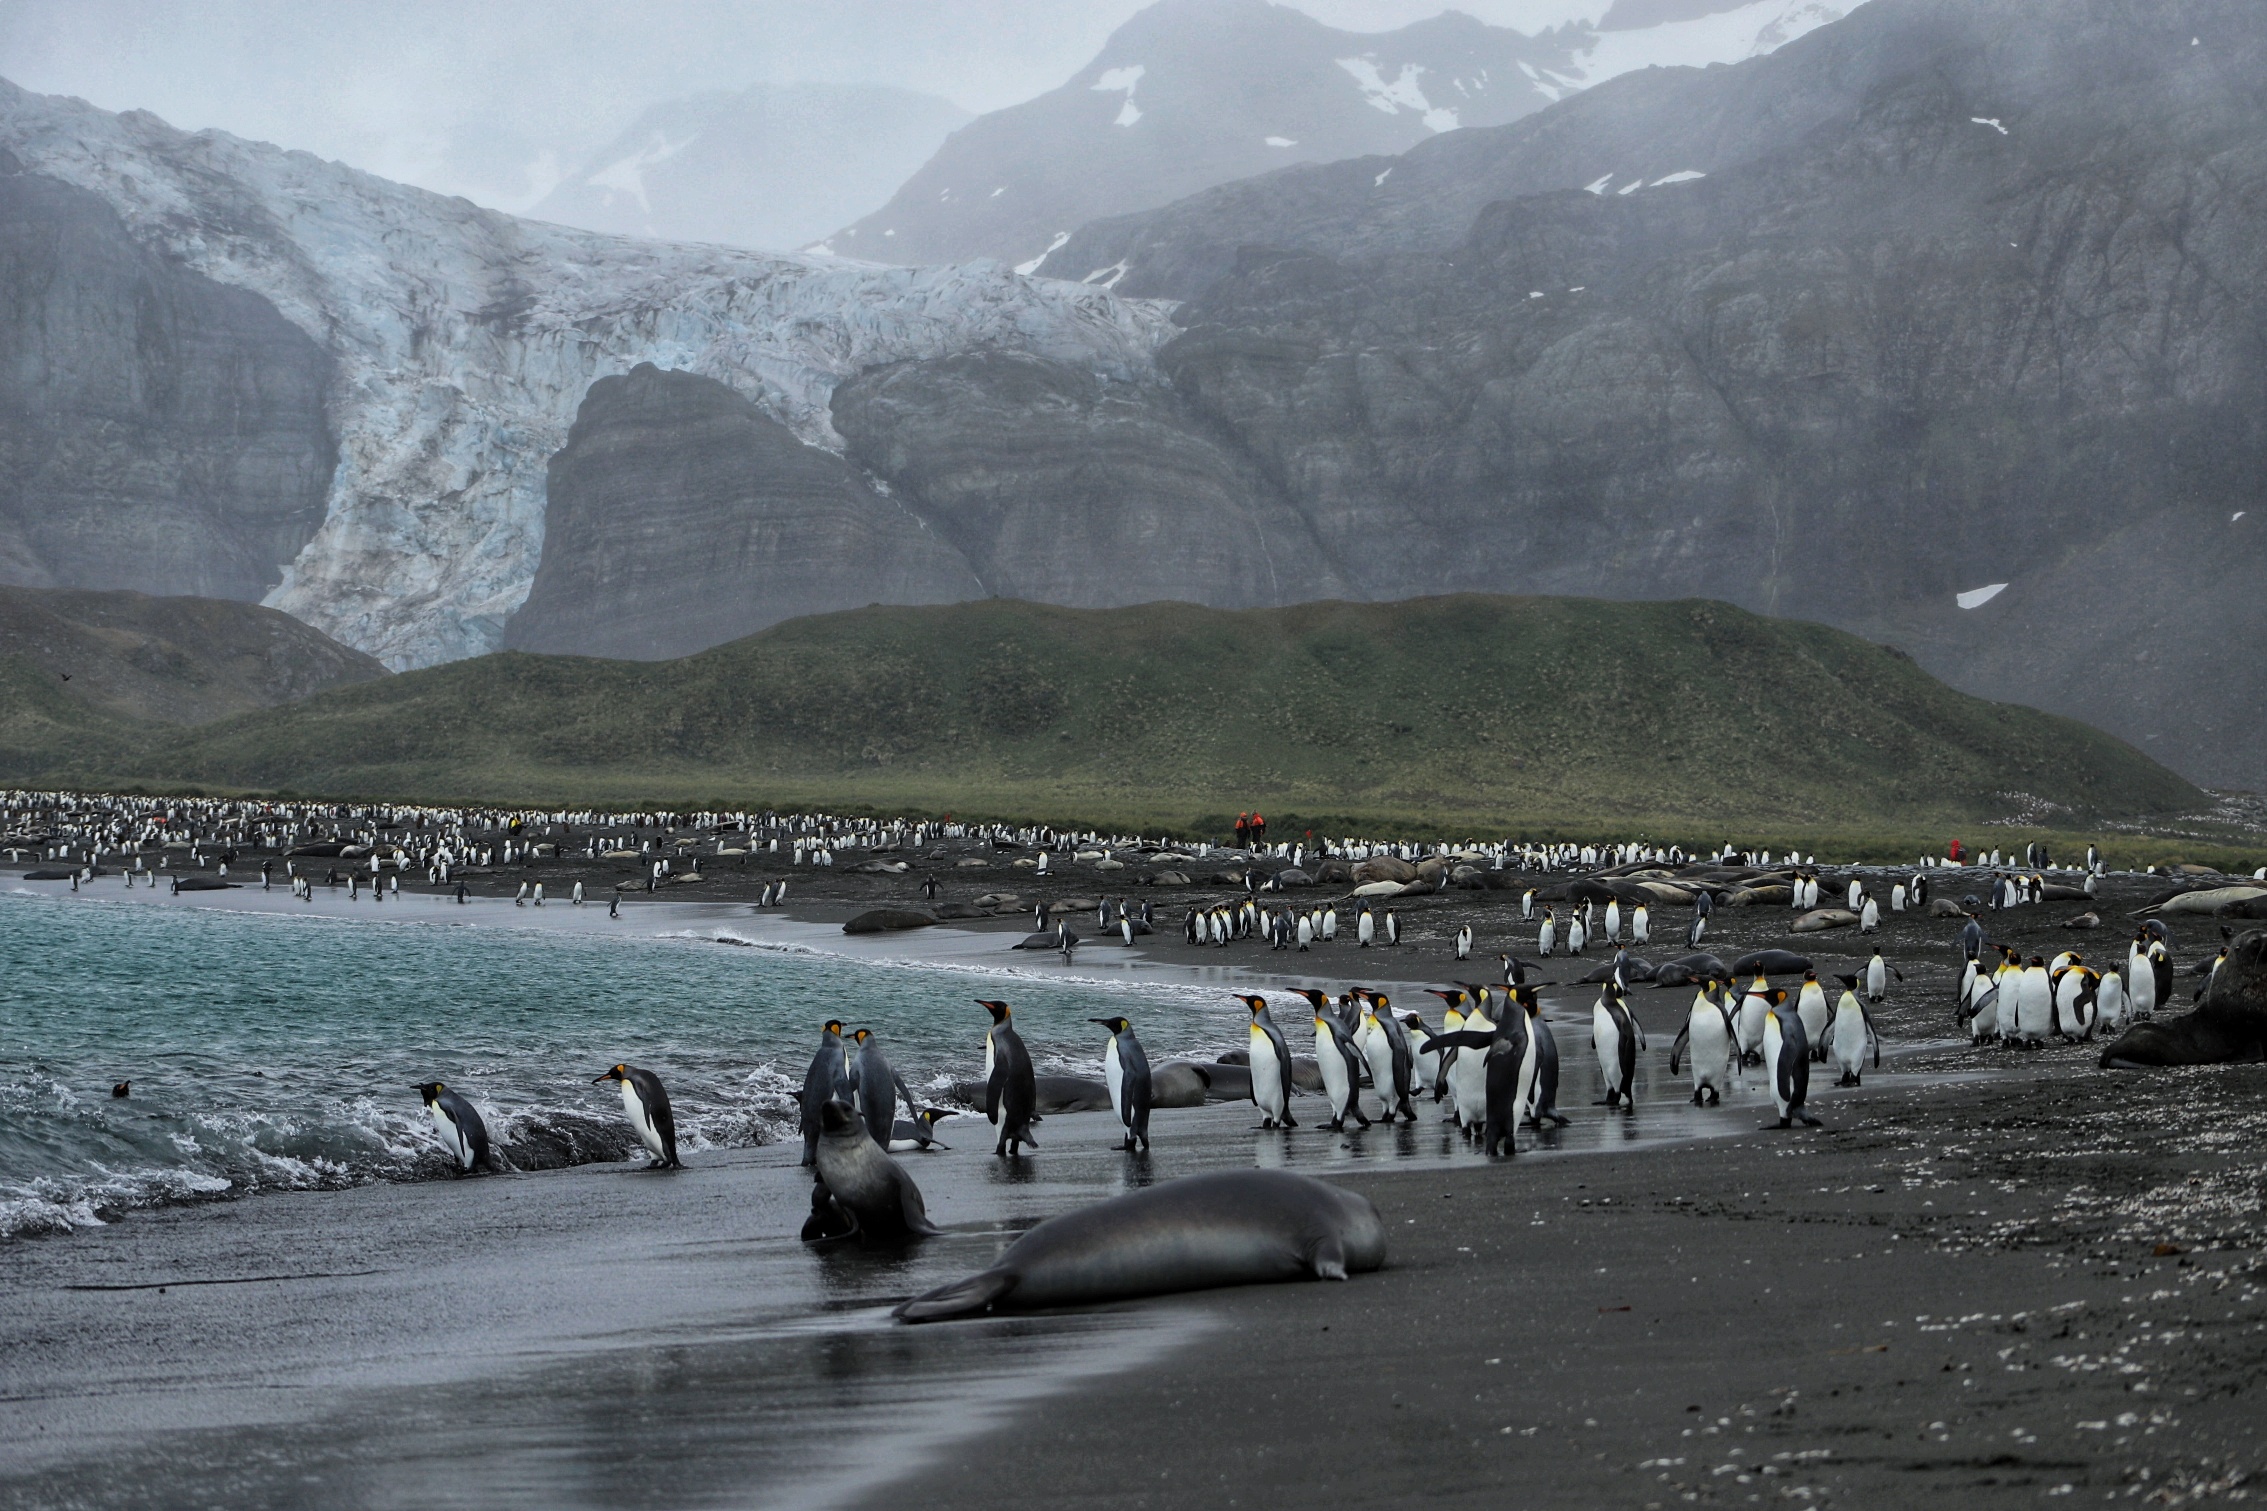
[(634, 1105), (1378, 1051), (1711, 1049), (1114, 1075), (2109, 1001), (1606, 1038), (1773, 1048), (2034, 1005), (2010, 1004), (460, 1148), (1267, 1077), (1752, 1023), (1849, 1041), (1813, 1013)]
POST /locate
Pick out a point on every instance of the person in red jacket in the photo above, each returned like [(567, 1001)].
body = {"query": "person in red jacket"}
[(1243, 830), (1259, 828)]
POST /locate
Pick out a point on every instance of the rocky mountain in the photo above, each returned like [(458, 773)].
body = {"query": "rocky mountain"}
[(452, 347), (1192, 93), (150, 660), (773, 166), (1951, 294)]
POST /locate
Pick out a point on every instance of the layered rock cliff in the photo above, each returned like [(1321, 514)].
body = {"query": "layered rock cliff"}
[(158, 431), (679, 515)]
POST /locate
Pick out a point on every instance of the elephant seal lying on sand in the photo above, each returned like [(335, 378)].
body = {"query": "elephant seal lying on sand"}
[(2231, 1024), (1233, 1227)]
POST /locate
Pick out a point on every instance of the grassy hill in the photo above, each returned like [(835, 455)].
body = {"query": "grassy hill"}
[(1498, 713)]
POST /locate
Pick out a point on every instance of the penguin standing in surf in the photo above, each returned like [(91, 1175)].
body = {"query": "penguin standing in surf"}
[(1270, 1067), (1541, 1099), (1340, 1064), (461, 1128), (1011, 1086), (1504, 1061), (876, 1086), (1125, 1070), (1379, 1022), (647, 1104)]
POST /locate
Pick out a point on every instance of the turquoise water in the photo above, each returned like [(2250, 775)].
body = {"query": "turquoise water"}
[(273, 1051)]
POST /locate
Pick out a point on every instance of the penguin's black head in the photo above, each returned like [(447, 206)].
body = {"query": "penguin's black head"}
[(833, 1026), (998, 1010), (122, 1088), (1115, 1025), (618, 1073), (862, 1035), (1256, 1004), (1316, 998), (1849, 981), (836, 1117), (431, 1091)]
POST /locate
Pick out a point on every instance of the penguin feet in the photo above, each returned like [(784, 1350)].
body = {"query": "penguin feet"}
[(1808, 1121)]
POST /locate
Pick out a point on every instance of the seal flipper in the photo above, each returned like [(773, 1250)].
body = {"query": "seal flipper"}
[(1327, 1258), (915, 1211), (962, 1298), (829, 1219)]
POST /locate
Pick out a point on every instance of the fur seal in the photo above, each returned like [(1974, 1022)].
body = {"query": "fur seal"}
[(2230, 1023), (861, 1193), (1771, 963), (1231, 1227)]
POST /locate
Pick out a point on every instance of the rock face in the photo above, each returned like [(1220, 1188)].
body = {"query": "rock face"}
[(1957, 293), (1192, 93), (1061, 488), (171, 660), (773, 166), (679, 515), (158, 431), (463, 341)]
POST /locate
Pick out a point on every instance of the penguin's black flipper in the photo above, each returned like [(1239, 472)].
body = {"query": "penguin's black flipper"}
[(1677, 1048), (962, 1298)]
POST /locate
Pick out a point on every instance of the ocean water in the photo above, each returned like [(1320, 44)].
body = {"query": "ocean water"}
[(269, 1049)]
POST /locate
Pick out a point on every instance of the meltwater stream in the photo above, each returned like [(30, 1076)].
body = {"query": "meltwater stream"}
[(273, 1050)]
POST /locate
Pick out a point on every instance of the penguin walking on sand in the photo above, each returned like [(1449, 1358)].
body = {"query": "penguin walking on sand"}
[(1878, 972), (1710, 1043), (1125, 1070), (465, 1136), (647, 1103), (1577, 935), (1640, 925), (1340, 1064), (1424, 1059), (1365, 928), (1502, 1060), (827, 1080), (1758, 1001), (1786, 1060), (2109, 1002), (1540, 1075), (1547, 937), (1613, 932), (1810, 1006), (1853, 1031), (1617, 1037), (1452, 1021), (1011, 1086), (1464, 942), (1695, 929), (1385, 1044), (1270, 1067)]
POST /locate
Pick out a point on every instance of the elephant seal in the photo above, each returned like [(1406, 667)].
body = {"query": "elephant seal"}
[(1071, 1094), (1686, 970), (861, 1192), (2230, 1023), (1232, 1227), (1178, 1084), (1819, 920), (1770, 963)]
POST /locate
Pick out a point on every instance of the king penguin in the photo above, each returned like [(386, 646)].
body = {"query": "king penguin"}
[(1540, 1073), (1125, 1070), (1340, 1064), (1853, 1030), (1011, 1087), (876, 1087), (648, 1106), (918, 1134), (828, 1080), (1270, 1067), (461, 1129), (1504, 1059), (1385, 1044), (1786, 1060), (1615, 1034), (1810, 1006), (1710, 1041)]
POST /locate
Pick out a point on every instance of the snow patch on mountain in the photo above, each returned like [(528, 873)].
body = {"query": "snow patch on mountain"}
[(465, 339), (1749, 31)]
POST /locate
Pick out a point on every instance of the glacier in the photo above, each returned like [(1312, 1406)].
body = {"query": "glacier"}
[(465, 338)]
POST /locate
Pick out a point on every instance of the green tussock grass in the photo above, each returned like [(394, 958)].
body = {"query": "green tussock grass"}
[(1691, 720)]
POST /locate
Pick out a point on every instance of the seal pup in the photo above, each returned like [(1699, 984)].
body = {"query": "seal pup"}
[(1011, 1087), (648, 1106), (1231, 1227), (827, 1080), (861, 1192), (1125, 1069), (462, 1131)]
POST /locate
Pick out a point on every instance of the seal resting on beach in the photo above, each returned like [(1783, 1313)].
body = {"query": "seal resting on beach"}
[(2230, 1024), (861, 1192), (1232, 1227)]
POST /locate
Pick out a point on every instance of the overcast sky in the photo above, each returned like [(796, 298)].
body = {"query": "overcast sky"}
[(465, 96)]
